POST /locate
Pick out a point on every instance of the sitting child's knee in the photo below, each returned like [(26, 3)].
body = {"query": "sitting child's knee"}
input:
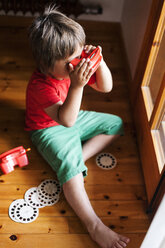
[(119, 121)]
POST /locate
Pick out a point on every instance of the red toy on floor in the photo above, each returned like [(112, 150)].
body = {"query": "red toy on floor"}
[(16, 156)]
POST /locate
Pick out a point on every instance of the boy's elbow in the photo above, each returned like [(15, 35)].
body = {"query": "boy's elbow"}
[(65, 121), (108, 89), (106, 86), (68, 123), (110, 86)]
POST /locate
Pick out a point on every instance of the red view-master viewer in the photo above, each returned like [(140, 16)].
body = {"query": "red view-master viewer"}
[(16, 156), (95, 58)]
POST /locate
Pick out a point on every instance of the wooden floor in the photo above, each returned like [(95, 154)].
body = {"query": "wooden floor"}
[(118, 196)]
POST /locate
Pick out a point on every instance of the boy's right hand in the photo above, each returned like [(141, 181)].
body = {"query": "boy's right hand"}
[(81, 74)]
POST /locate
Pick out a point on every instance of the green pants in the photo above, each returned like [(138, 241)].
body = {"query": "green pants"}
[(61, 146)]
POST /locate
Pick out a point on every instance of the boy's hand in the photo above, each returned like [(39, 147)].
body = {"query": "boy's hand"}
[(81, 74), (89, 49)]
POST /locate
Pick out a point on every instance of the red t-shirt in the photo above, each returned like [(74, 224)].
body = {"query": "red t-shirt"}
[(42, 92)]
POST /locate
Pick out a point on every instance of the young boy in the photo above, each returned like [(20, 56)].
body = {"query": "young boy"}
[(57, 125)]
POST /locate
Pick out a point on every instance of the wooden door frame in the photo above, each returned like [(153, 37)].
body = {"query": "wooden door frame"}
[(147, 43), (145, 139), (154, 180)]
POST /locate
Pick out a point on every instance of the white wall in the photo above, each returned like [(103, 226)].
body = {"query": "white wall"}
[(155, 237), (132, 15), (133, 22), (112, 10)]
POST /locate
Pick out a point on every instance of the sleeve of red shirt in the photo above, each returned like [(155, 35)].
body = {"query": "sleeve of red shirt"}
[(45, 95)]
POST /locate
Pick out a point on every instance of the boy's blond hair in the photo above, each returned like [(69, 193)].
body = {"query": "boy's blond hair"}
[(54, 36)]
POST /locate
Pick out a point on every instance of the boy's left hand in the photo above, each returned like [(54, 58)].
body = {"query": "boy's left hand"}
[(89, 49)]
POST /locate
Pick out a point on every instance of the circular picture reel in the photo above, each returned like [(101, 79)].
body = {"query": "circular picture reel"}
[(106, 161), (25, 213)]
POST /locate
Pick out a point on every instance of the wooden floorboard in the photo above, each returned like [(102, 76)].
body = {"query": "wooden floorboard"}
[(58, 240), (118, 196)]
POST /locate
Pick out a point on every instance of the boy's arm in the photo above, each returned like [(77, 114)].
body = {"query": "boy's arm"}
[(66, 113), (104, 81)]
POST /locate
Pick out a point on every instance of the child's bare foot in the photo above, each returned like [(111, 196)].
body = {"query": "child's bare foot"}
[(106, 238)]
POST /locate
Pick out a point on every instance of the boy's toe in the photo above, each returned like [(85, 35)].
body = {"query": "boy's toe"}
[(118, 245), (124, 239), (123, 244)]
